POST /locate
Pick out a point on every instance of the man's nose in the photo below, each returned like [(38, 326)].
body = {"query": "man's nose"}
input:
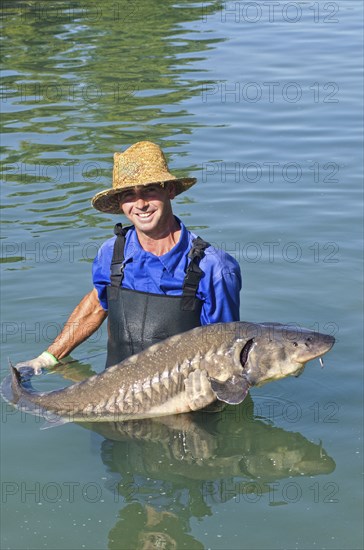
[(140, 202)]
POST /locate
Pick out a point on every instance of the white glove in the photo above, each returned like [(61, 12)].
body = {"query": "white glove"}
[(44, 360)]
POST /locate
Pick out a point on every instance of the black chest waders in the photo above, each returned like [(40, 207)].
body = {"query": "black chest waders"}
[(136, 319)]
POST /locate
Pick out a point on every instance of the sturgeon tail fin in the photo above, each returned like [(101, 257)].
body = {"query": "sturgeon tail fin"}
[(15, 383)]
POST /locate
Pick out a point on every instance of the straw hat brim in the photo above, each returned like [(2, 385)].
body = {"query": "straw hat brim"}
[(107, 201)]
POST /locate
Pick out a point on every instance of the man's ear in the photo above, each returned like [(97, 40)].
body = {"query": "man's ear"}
[(171, 188)]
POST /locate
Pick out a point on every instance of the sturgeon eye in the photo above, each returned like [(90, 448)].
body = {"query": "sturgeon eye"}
[(245, 352)]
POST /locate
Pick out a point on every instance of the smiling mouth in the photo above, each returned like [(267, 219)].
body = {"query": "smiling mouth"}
[(144, 215)]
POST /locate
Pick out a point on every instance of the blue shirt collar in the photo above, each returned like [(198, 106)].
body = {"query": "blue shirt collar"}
[(170, 260)]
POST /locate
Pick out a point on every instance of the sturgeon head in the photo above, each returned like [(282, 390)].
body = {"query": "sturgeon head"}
[(266, 352), (278, 351)]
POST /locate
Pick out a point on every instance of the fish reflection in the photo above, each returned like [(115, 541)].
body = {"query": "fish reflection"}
[(173, 469), (202, 446)]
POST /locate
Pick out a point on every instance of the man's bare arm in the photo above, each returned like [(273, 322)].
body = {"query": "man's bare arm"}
[(85, 319)]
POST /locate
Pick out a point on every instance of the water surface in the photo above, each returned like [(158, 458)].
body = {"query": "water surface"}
[(263, 105)]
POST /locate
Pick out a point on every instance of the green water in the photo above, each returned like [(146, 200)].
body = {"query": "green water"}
[(261, 101)]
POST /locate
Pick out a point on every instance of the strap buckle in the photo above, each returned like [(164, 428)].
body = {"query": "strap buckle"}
[(117, 270)]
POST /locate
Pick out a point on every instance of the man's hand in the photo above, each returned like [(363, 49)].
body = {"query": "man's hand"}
[(44, 360)]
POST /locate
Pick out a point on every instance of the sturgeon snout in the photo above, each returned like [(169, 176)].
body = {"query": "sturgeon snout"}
[(280, 351)]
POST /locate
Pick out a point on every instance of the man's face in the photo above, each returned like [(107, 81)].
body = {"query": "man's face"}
[(148, 207)]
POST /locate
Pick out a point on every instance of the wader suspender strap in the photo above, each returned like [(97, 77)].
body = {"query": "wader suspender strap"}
[(193, 272), (117, 266)]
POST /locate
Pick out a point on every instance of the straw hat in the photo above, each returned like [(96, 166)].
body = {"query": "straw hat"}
[(141, 164)]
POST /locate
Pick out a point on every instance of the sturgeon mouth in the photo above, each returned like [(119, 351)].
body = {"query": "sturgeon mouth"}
[(299, 371)]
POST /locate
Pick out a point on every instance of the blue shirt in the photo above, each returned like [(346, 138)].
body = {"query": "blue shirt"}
[(218, 289)]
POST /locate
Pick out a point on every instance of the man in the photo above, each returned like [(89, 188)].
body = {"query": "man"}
[(153, 279)]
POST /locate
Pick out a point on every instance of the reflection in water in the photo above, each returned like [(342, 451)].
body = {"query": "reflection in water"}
[(90, 86), (143, 528), (173, 469)]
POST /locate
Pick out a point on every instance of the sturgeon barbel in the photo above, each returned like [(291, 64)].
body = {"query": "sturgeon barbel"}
[(181, 374)]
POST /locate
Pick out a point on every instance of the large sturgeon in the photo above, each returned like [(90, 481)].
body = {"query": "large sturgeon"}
[(184, 373)]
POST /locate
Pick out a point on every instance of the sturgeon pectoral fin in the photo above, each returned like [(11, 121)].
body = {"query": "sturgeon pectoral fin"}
[(232, 391), (198, 390)]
